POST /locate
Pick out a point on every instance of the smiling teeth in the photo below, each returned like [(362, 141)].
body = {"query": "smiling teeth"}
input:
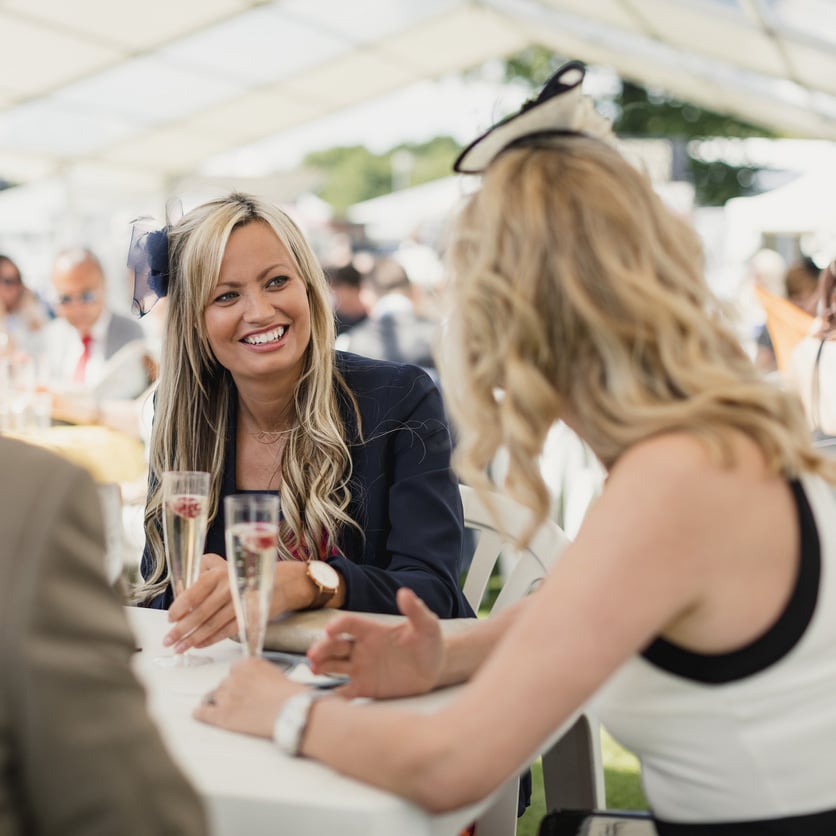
[(266, 337)]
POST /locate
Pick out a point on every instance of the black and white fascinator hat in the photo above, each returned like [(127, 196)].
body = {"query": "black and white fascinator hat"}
[(559, 109)]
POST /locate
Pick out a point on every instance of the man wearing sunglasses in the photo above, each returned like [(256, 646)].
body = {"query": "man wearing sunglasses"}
[(90, 348)]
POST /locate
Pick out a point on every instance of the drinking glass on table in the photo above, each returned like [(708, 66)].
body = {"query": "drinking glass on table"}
[(252, 530), (21, 388), (185, 509)]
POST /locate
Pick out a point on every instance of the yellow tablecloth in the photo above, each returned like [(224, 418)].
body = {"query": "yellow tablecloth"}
[(109, 455)]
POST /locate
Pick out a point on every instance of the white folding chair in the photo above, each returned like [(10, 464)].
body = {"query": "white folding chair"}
[(528, 566), (573, 774)]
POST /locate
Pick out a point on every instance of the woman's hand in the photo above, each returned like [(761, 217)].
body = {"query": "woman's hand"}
[(249, 699), (383, 661), (203, 613)]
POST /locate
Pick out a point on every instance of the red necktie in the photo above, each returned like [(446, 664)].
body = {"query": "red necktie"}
[(81, 366)]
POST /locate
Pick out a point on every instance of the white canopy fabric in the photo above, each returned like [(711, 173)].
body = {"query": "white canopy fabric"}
[(160, 88)]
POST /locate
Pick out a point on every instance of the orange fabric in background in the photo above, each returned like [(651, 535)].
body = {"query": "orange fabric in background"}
[(787, 324)]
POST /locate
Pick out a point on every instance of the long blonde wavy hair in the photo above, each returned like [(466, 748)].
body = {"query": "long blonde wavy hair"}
[(573, 284), (193, 397)]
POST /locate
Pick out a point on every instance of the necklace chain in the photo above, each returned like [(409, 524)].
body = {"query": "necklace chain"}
[(265, 436), (268, 436)]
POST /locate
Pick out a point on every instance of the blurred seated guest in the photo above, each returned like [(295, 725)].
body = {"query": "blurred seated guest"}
[(394, 330), (697, 606), (346, 292), (786, 326), (812, 367), (802, 284), (22, 314), (78, 752), (252, 391), (133, 416), (427, 277), (766, 271), (90, 349)]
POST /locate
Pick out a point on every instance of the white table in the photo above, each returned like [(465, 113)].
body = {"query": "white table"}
[(249, 787)]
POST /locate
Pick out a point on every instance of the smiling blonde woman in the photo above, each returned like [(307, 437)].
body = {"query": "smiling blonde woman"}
[(252, 390)]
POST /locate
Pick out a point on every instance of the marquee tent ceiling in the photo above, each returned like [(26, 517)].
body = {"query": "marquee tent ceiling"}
[(160, 87)]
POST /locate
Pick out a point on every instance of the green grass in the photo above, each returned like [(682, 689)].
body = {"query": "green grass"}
[(621, 779)]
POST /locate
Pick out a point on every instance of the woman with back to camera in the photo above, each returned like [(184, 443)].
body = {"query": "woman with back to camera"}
[(252, 391), (697, 605)]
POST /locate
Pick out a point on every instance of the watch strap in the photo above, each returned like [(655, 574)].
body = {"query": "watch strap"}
[(292, 721)]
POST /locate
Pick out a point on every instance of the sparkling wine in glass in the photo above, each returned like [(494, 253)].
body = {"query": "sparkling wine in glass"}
[(252, 530), (185, 510)]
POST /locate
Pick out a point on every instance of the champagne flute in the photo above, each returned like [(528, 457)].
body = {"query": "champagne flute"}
[(252, 531), (22, 388), (185, 510)]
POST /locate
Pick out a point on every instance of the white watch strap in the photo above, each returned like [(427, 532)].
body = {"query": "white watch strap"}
[(292, 720)]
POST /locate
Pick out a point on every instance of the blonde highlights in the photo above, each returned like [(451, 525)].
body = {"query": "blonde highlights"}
[(575, 288), (193, 397)]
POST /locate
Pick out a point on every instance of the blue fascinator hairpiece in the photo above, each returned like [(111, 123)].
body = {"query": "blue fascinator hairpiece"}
[(148, 257)]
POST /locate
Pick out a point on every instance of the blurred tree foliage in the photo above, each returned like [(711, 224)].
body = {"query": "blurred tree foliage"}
[(353, 173), (643, 112)]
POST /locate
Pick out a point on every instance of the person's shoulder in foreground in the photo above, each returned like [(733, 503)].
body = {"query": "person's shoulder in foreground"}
[(78, 752)]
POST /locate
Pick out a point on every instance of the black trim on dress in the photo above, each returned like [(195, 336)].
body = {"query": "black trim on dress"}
[(772, 645)]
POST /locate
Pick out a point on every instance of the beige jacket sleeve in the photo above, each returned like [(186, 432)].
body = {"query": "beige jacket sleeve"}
[(78, 751)]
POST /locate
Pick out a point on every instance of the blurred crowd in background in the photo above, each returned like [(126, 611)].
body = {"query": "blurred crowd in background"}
[(73, 355)]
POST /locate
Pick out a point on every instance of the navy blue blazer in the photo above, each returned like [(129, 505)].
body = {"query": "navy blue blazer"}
[(404, 495)]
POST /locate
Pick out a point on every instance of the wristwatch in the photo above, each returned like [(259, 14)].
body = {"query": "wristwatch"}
[(292, 721), (325, 578)]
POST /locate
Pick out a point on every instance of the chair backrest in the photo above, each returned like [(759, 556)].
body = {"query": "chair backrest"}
[(495, 538), (572, 768)]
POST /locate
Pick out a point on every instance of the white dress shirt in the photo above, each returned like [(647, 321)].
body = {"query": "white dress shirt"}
[(122, 375)]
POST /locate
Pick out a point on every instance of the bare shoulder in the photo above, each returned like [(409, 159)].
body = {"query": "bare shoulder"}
[(669, 451), (687, 463), (673, 498), (704, 527)]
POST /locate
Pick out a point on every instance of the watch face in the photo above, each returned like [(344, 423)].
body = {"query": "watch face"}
[(324, 574)]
